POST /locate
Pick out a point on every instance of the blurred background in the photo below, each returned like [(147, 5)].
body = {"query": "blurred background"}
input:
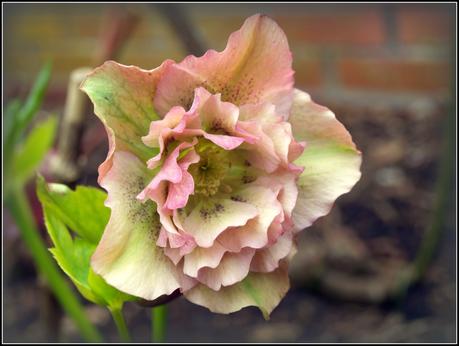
[(386, 70)]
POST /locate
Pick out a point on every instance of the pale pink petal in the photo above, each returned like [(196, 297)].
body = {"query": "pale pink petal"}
[(218, 120), (162, 238), (331, 160), (107, 164), (203, 257), (190, 158), (178, 193), (276, 229), (254, 67), (255, 233), (216, 114), (211, 217), (187, 283), (267, 259), (275, 145), (173, 254), (262, 153), (172, 127), (295, 150), (263, 290), (170, 121), (170, 171), (286, 184), (226, 142), (160, 195), (233, 268), (177, 240)]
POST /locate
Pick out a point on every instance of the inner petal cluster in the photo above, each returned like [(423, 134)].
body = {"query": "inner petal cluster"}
[(225, 188)]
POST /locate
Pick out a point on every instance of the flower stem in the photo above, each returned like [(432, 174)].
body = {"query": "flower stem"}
[(444, 188), (159, 323), (123, 331), (22, 214), (443, 192)]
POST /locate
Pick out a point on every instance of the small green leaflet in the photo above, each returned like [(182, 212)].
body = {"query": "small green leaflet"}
[(82, 208), (29, 154)]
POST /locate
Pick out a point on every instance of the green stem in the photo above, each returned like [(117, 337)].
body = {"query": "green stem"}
[(123, 331), (442, 193), (22, 214), (159, 323)]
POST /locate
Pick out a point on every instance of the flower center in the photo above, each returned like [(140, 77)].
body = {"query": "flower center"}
[(209, 172)]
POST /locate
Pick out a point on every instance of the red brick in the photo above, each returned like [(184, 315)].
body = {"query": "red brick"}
[(390, 75), (424, 25), (364, 27)]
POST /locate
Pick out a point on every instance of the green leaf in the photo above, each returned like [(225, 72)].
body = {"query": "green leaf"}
[(9, 116), (82, 210), (74, 255), (33, 103), (8, 122), (72, 259), (30, 154)]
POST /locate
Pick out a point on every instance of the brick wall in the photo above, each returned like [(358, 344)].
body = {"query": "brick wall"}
[(344, 50)]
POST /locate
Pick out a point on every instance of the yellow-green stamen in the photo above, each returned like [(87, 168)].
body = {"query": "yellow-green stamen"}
[(211, 169)]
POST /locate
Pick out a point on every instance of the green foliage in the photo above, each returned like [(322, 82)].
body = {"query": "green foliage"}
[(26, 113), (31, 152), (84, 212), (22, 156), (12, 108)]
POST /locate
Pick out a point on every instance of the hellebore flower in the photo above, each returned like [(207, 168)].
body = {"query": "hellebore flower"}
[(214, 165)]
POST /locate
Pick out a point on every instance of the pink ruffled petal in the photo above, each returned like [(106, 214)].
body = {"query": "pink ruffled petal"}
[(276, 229), (254, 67), (217, 117), (275, 146), (255, 233), (233, 267), (170, 171), (263, 290), (203, 257), (211, 217), (267, 259), (225, 142), (171, 120), (286, 185), (160, 195), (178, 193), (216, 114)]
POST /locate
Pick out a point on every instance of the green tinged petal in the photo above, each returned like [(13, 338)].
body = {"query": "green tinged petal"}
[(263, 290), (123, 100), (127, 256), (331, 161)]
